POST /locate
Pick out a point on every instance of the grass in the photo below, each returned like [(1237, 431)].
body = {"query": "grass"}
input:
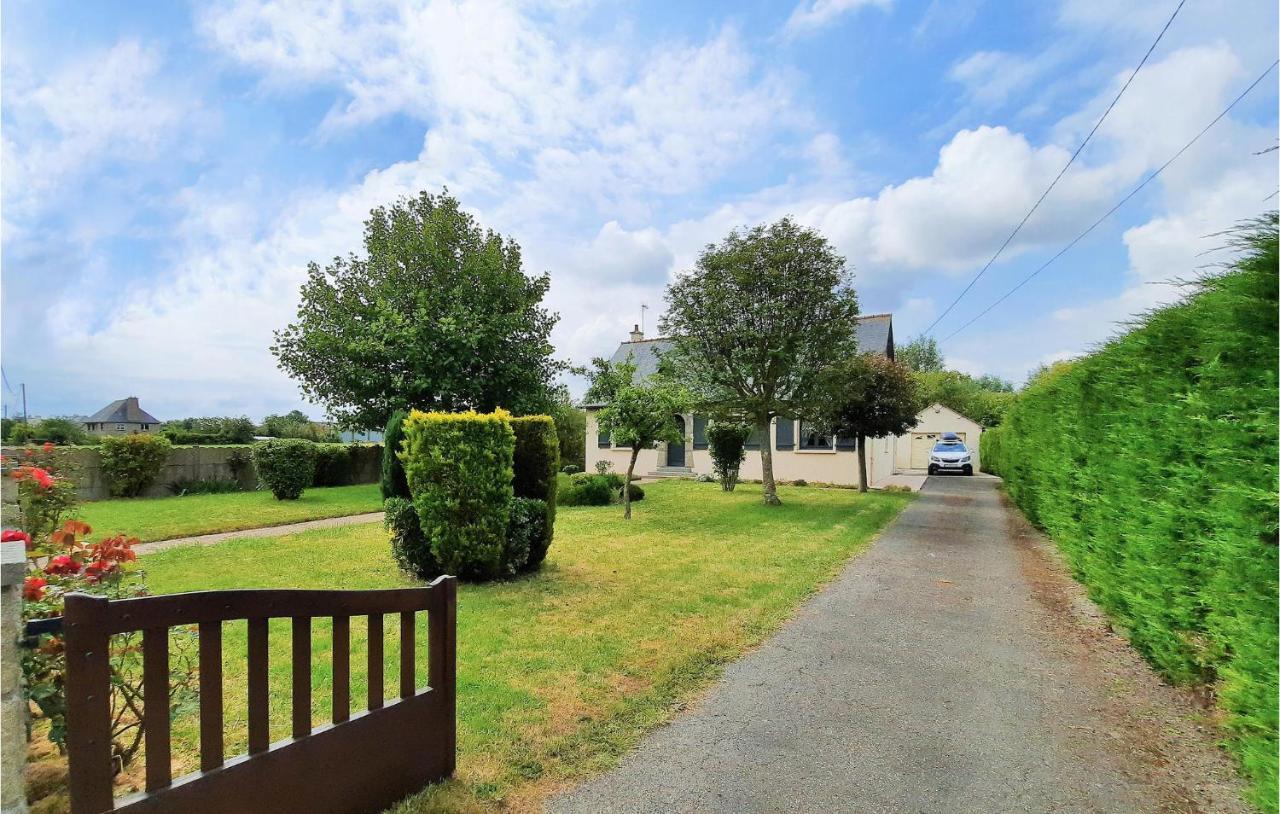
[(164, 518), (559, 673)]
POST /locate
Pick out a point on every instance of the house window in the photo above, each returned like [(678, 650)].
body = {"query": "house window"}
[(756, 439), (120, 428), (843, 443), (602, 438), (813, 438), (699, 432), (786, 435)]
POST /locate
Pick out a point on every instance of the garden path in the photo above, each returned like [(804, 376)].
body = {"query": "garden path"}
[(268, 531)]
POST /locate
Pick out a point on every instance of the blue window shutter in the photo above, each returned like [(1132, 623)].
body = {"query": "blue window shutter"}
[(786, 433), (699, 432)]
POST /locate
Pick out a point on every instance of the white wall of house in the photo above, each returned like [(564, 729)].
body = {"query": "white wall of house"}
[(838, 466)]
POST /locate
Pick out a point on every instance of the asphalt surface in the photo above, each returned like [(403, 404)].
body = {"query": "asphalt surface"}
[(920, 681)]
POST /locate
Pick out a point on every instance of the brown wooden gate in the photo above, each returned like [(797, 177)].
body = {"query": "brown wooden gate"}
[(359, 763)]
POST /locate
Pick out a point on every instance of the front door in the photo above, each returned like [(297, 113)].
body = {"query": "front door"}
[(675, 452)]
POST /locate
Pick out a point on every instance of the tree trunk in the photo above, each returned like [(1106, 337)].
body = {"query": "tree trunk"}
[(766, 467), (862, 463), (626, 485)]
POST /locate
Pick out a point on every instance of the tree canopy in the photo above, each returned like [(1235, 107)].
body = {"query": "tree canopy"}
[(756, 322), (437, 314), (921, 355)]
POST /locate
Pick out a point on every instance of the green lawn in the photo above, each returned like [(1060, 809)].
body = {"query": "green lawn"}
[(163, 518), (559, 673)]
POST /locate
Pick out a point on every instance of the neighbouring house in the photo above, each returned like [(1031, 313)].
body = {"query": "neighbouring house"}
[(800, 452), (121, 417)]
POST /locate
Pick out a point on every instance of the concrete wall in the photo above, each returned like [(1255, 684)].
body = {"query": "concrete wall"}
[(189, 463), (816, 466)]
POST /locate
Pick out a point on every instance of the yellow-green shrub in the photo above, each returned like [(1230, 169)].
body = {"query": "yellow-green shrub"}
[(1153, 464), (459, 470)]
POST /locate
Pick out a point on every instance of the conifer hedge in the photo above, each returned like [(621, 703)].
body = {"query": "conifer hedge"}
[(1153, 463), (536, 461)]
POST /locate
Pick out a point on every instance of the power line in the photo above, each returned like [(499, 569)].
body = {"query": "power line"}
[(1121, 202), (1061, 173)]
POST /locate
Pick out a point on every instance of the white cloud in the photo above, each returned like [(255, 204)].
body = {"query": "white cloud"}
[(811, 15)]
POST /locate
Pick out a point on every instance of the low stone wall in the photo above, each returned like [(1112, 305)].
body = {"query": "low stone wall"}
[(190, 463)]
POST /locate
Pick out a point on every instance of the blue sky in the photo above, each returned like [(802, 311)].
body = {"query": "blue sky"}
[(170, 169)]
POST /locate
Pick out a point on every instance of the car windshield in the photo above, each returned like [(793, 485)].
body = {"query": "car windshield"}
[(949, 446)]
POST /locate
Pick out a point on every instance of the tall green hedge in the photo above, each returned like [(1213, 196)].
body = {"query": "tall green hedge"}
[(393, 480), (459, 470), (1153, 464), (537, 460)]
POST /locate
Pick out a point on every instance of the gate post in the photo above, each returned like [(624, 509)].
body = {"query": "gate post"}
[(13, 704), (88, 685), (442, 664)]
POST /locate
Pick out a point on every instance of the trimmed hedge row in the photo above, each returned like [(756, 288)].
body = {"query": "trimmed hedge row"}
[(1153, 464), (470, 494)]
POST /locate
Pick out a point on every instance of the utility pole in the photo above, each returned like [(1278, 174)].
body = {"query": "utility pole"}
[(24, 403)]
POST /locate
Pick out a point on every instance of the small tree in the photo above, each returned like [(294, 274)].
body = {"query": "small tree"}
[(755, 324), (638, 415), (869, 396), (727, 441)]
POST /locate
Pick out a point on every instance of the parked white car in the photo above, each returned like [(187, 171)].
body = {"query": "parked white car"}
[(950, 455)]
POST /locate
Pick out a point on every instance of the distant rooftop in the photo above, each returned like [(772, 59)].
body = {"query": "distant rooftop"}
[(122, 411)]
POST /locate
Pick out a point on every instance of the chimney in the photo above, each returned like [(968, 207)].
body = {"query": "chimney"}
[(636, 334)]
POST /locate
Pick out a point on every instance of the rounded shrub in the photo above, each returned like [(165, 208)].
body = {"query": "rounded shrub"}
[(526, 531), (286, 466), (637, 493), (393, 481), (571, 469), (460, 473), (131, 463), (799, 482), (409, 546), (586, 489)]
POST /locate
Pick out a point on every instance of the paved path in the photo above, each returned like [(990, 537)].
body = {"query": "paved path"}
[(920, 681), (269, 531)]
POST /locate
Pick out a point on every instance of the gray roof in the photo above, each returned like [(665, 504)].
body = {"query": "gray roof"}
[(122, 411), (875, 335)]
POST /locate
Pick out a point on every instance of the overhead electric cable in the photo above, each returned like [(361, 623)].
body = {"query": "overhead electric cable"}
[(1061, 173), (1119, 204)]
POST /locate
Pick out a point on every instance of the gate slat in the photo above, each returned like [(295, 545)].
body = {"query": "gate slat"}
[(407, 654), (259, 689), (88, 703), (375, 661), (155, 706), (210, 695), (341, 668), (301, 676)]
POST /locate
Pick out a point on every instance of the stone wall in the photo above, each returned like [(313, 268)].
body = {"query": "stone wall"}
[(190, 463), (13, 707)]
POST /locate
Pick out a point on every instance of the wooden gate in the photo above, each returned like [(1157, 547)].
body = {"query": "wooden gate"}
[(359, 763)]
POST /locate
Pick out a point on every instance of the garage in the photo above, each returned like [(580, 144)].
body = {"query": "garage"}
[(914, 447)]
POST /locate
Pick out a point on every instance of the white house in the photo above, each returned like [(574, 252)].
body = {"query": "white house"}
[(799, 452)]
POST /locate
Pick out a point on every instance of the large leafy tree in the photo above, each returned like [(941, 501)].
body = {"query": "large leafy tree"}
[(870, 396), (757, 321), (437, 314), (638, 414)]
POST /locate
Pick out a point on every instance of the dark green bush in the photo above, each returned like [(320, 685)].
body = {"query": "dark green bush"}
[(637, 493), (459, 470), (393, 480), (571, 469), (286, 466), (1153, 464), (204, 486), (409, 545), (130, 463), (333, 465), (526, 533), (537, 457), (799, 482), (727, 442), (585, 489)]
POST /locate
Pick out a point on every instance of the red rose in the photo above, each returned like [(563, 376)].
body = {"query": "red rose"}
[(62, 564), (42, 477), (96, 570), (48, 446), (33, 589), (14, 535)]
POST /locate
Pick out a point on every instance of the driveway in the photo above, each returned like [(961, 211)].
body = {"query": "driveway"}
[(927, 678)]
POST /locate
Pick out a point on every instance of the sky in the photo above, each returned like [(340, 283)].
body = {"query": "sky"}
[(169, 169)]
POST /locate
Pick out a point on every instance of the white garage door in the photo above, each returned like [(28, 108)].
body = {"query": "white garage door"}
[(921, 444)]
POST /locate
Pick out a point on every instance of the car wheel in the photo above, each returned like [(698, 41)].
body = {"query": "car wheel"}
[(933, 470), (968, 470)]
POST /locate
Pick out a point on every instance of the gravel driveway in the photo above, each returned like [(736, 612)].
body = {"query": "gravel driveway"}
[(930, 677)]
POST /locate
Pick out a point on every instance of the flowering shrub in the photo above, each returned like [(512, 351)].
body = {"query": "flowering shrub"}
[(60, 560)]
